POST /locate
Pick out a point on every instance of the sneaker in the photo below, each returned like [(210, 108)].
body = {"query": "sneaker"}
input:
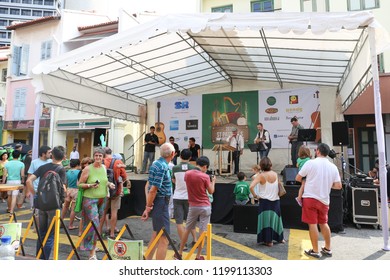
[(326, 252), (201, 258), (313, 254), (93, 258), (299, 201)]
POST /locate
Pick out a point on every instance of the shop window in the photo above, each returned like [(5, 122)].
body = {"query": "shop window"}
[(358, 5), (262, 6), (223, 9)]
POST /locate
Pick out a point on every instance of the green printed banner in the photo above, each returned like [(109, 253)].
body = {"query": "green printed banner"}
[(125, 249), (14, 230), (223, 112)]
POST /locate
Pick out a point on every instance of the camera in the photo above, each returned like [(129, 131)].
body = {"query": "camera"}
[(97, 182), (211, 177)]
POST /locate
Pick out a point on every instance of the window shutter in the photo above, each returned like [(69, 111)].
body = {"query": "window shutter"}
[(16, 60), (24, 60)]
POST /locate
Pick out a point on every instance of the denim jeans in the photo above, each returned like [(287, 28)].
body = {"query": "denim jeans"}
[(147, 156), (263, 153), (45, 218)]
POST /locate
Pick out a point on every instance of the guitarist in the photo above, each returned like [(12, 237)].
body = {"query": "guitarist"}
[(151, 140), (293, 138), (263, 141)]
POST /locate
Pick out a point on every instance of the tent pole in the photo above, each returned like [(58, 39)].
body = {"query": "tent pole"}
[(380, 139), (35, 145)]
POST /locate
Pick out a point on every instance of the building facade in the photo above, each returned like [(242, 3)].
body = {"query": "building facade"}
[(23, 10)]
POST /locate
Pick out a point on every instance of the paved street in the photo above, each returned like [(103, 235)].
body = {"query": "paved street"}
[(355, 244)]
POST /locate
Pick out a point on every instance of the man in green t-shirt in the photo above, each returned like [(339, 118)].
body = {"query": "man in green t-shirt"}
[(14, 174), (241, 190)]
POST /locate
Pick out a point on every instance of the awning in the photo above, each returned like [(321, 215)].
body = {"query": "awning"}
[(176, 53)]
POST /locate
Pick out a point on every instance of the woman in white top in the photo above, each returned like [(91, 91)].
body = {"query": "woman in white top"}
[(270, 226)]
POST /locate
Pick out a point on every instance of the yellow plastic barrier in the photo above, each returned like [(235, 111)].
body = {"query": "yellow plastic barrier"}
[(206, 234)]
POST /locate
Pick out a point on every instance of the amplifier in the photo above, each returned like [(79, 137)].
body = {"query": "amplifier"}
[(367, 182), (365, 208)]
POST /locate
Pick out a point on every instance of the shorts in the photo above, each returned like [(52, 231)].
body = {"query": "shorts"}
[(71, 195), (160, 214), (114, 203), (314, 211), (13, 182), (201, 212), (180, 210)]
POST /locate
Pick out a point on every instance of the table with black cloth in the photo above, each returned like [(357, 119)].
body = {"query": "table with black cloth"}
[(222, 206)]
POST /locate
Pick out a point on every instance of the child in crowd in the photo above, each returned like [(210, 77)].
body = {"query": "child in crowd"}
[(71, 191), (241, 190), (303, 156)]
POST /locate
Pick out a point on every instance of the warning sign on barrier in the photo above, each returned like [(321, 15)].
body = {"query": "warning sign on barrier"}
[(14, 230), (125, 249)]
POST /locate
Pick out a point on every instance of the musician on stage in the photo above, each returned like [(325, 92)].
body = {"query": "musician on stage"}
[(237, 142), (263, 141), (293, 138)]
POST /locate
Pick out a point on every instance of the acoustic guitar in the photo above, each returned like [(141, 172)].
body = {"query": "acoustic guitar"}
[(160, 127)]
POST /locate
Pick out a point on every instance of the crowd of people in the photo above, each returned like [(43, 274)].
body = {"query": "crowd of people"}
[(90, 174), (191, 189), (181, 189)]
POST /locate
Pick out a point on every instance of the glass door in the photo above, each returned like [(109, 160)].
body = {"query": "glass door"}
[(368, 148)]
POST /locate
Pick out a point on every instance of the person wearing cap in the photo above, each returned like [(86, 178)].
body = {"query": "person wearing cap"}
[(293, 138), (199, 185), (236, 141)]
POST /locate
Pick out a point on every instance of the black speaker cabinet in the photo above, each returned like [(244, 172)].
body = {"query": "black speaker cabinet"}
[(289, 174), (336, 211), (365, 208), (245, 218), (340, 133)]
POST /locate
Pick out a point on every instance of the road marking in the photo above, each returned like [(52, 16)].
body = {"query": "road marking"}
[(297, 242)]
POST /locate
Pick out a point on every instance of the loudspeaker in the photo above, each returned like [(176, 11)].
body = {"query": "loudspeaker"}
[(340, 133), (289, 174), (336, 211), (245, 218)]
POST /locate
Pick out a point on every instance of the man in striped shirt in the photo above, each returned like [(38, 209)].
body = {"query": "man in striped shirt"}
[(157, 201)]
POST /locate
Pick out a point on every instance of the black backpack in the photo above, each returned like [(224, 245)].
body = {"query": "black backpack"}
[(111, 178), (50, 194)]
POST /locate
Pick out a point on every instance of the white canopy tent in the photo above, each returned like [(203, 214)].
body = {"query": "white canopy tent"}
[(177, 53)]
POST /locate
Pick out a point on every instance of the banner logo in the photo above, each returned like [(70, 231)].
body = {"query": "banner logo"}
[(293, 99), (271, 110), (182, 105), (191, 124), (271, 101)]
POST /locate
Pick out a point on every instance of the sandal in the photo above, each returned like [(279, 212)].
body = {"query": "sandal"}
[(313, 254)]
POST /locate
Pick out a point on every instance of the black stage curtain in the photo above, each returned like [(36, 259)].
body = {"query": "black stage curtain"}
[(222, 206)]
